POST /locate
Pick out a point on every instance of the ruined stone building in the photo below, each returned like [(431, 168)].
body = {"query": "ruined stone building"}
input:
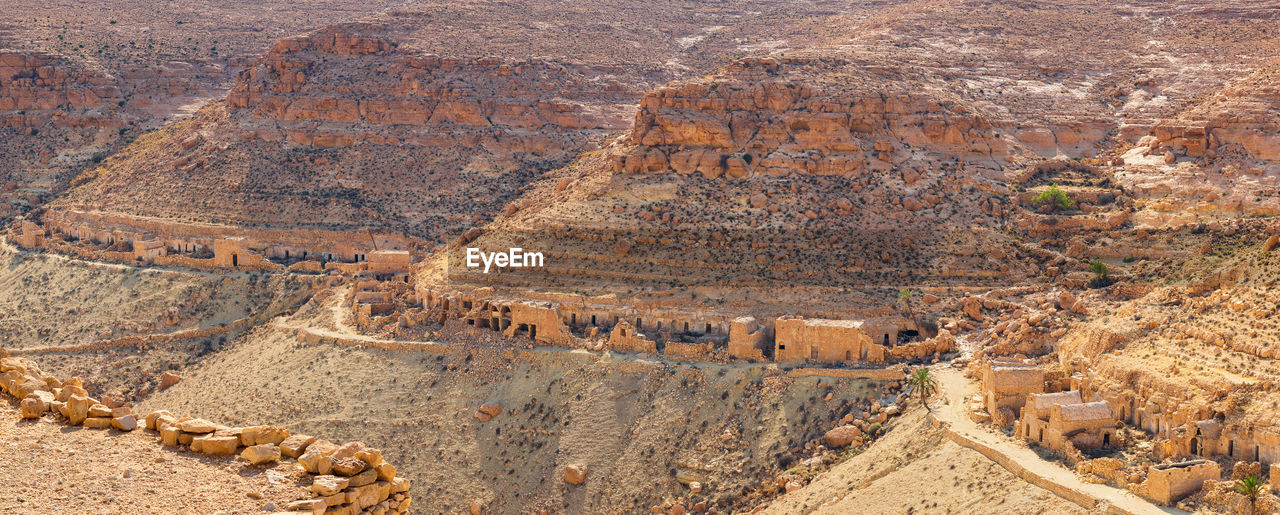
[(1171, 482), (830, 341), (1006, 388)]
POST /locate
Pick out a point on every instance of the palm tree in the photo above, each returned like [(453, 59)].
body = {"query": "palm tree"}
[(922, 384), (1250, 488)]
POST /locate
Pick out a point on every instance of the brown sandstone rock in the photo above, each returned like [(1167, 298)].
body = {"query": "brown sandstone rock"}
[(575, 474), (365, 477), (197, 426), (33, 407), (168, 379), (99, 410), (348, 466), (127, 422), (76, 409), (295, 445), (151, 418), (325, 486), (97, 422), (487, 411), (169, 435), (261, 453), (314, 506), (257, 435), (841, 436), (316, 459), (973, 308), (386, 472), (216, 445)]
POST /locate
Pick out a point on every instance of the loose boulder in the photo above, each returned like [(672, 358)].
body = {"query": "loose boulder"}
[(841, 436), (575, 474)]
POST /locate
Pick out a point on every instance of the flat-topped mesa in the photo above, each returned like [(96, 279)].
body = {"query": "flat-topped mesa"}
[(766, 116)]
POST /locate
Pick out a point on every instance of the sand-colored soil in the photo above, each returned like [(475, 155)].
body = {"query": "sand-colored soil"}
[(916, 469), (49, 467)]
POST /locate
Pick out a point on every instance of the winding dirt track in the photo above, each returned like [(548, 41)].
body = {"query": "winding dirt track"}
[(1021, 460)]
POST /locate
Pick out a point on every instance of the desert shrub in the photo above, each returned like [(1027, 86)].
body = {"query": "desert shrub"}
[(1101, 275), (1054, 197)]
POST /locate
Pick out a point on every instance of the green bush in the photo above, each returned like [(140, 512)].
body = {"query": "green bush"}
[(1101, 275), (1054, 197)]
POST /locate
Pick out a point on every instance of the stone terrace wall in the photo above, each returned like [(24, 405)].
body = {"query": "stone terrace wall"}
[(346, 479)]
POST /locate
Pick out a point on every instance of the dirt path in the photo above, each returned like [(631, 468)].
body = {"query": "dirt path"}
[(954, 389)]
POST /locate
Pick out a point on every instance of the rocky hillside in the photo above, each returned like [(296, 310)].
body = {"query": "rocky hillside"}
[(344, 129), (776, 171)]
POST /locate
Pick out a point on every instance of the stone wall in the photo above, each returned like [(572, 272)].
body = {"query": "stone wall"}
[(347, 479)]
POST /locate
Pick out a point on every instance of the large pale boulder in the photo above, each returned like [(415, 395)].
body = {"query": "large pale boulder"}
[(127, 422)]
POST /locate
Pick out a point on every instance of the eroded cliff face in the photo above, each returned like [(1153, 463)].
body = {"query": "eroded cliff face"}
[(1219, 159), (1244, 113), (54, 117), (781, 116), (349, 127)]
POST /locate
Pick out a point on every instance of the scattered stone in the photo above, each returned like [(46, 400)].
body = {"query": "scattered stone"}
[(488, 410), (97, 422)]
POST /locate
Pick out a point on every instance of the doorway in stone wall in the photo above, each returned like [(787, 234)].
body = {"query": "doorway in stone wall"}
[(235, 260)]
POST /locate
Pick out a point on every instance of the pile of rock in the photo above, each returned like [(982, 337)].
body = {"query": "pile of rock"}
[(349, 479), (41, 393)]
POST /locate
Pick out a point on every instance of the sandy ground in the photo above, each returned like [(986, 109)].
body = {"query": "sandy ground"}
[(49, 467), (915, 469)]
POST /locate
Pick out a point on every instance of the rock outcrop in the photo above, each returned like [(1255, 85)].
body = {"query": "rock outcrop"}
[(783, 116)]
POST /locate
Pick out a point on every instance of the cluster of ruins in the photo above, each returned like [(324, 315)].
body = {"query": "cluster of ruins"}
[(600, 324), (346, 479), (143, 241), (1074, 415)]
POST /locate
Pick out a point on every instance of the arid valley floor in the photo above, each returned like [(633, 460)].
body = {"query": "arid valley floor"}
[(901, 256)]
